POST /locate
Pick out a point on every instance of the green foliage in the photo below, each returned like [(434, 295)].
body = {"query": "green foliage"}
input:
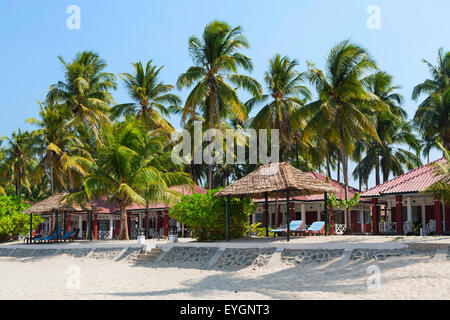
[(255, 229), (12, 221), (341, 203), (205, 215)]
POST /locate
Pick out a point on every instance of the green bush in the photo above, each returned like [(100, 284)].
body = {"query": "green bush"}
[(12, 221), (205, 215)]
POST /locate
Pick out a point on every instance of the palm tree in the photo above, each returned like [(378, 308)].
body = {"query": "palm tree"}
[(442, 170), (19, 155), (387, 155), (151, 96), (84, 94), (433, 114), (344, 106), (286, 94), (128, 168), (56, 139), (217, 59)]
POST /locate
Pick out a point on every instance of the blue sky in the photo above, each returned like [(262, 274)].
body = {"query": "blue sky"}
[(34, 33)]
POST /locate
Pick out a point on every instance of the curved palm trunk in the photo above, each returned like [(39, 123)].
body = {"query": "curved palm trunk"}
[(344, 160), (377, 171), (212, 102), (123, 224)]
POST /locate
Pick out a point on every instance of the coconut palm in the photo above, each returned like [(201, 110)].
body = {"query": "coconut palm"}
[(19, 155), (343, 107), (55, 141), (152, 97), (217, 59), (286, 94), (442, 170), (84, 94), (432, 117), (387, 155), (129, 168)]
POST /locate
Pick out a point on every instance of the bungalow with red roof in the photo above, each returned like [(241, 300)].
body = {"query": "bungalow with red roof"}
[(407, 208), (310, 209), (104, 219)]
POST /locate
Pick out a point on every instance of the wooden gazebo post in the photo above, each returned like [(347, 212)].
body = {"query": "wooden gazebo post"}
[(288, 216), (56, 225), (64, 217), (227, 223), (31, 228), (266, 195), (326, 212)]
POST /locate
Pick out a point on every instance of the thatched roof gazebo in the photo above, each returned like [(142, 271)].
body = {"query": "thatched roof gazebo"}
[(276, 180), (53, 205)]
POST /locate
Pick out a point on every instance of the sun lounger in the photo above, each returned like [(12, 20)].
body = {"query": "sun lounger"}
[(66, 236), (74, 235), (39, 239), (49, 238), (294, 226), (318, 227)]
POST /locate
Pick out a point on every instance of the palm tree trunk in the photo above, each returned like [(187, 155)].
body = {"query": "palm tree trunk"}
[(328, 166), (339, 169), (377, 171), (146, 219), (123, 224), (212, 102)]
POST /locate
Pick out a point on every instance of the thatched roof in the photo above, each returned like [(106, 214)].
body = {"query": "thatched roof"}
[(276, 179), (57, 202)]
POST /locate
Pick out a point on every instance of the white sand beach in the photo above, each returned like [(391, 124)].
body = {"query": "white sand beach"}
[(411, 277)]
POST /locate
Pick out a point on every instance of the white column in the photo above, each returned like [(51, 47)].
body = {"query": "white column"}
[(443, 215), (303, 210), (318, 215), (409, 209), (345, 217), (361, 217), (424, 216), (111, 223), (80, 226), (277, 217), (253, 218)]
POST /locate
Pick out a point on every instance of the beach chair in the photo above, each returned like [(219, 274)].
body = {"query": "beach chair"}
[(49, 238), (74, 235), (294, 226), (318, 227), (66, 236), (40, 238)]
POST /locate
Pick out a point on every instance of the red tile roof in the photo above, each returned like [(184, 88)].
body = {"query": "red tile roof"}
[(320, 197), (416, 180), (103, 206)]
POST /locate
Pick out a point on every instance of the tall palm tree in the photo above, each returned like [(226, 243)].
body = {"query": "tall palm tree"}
[(217, 58), (128, 168), (85, 92), (286, 95), (19, 155), (432, 117), (387, 155), (442, 170), (343, 107), (55, 141), (151, 97)]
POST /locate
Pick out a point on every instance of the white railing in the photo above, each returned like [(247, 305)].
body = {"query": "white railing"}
[(339, 228), (407, 227), (429, 227), (388, 227)]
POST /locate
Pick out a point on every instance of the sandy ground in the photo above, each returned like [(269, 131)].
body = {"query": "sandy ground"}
[(55, 277)]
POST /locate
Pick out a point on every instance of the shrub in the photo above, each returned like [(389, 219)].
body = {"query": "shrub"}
[(12, 221), (205, 215)]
